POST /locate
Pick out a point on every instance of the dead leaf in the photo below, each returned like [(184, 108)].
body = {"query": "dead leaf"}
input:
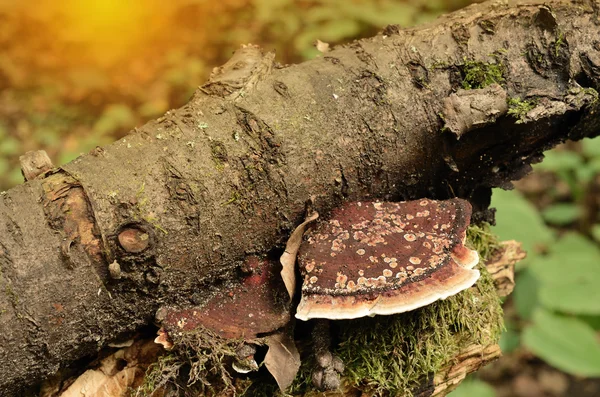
[(282, 359), (322, 46), (163, 339), (110, 378), (288, 259), (96, 383)]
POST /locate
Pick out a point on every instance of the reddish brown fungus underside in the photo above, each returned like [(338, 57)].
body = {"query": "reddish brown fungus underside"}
[(384, 258), (258, 305)]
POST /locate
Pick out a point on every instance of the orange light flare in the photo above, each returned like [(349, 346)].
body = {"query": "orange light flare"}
[(103, 32)]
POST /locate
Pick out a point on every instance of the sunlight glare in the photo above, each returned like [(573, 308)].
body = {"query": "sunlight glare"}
[(108, 29)]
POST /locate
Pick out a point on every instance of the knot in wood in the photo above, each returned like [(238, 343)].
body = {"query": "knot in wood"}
[(134, 239)]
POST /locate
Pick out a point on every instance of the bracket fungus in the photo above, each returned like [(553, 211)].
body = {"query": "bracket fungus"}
[(258, 305), (384, 258)]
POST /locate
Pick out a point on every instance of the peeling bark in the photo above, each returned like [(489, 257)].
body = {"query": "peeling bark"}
[(228, 174)]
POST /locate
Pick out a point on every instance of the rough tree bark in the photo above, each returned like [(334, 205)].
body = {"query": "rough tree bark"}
[(181, 201)]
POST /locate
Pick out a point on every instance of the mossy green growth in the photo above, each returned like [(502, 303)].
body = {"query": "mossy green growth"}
[(591, 92), (142, 211), (559, 43), (219, 154), (235, 196), (158, 375), (395, 354), (478, 74), (483, 240), (198, 364), (518, 108)]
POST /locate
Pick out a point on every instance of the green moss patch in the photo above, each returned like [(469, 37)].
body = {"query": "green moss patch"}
[(481, 239), (518, 108), (199, 364), (478, 74), (161, 374)]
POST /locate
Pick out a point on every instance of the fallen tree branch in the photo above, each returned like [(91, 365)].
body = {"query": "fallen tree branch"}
[(176, 206)]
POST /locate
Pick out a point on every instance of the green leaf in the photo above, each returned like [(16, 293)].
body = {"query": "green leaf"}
[(473, 388), (592, 321), (510, 339), (517, 219), (587, 171), (573, 259), (559, 160), (566, 343), (561, 214), (525, 294), (572, 298), (569, 276), (596, 232), (591, 147)]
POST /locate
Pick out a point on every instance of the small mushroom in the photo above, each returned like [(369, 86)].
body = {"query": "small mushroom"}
[(114, 269), (133, 239), (385, 258), (245, 361), (163, 339)]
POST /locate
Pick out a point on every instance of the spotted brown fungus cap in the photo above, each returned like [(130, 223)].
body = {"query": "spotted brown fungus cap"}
[(384, 258)]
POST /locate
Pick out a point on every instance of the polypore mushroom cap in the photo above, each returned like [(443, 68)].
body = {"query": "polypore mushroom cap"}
[(258, 305), (385, 258)]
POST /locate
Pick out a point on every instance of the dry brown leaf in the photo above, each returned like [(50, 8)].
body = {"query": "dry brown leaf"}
[(322, 46), (288, 259), (110, 378), (96, 383), (282, 359)]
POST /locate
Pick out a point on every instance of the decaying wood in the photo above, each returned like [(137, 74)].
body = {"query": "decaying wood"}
[(180, 202), (142, 353), (502, 266), (470, 360)]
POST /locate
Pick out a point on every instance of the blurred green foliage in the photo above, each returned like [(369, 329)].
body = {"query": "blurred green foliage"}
[(557, 292), (474, 388), (554, 311), (565, 342)]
